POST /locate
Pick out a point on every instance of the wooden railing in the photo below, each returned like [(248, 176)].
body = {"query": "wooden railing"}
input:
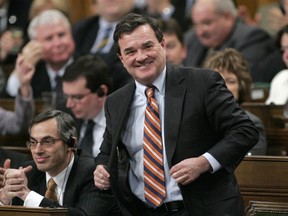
[(263, 178), (275, 126)]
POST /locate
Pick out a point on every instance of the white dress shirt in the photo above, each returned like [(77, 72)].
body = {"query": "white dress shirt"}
[(34, 199), (132, 138)]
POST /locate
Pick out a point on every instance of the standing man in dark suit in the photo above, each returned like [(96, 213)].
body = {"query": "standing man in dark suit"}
[(216, 27), (52, 144), (204, 132)]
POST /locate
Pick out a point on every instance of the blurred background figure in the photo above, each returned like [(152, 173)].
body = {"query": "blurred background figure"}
[(14, 20), (15, 122), (165, 9), (217, 26), (86, 84), (49, 52), (278, 93), (235, 71), (174, 42), (271, 16), (94, 35)]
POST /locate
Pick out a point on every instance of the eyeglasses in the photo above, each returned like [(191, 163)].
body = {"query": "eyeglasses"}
[(77, 98), (46, 142)]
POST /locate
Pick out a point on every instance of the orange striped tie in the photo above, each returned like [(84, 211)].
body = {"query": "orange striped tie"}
[(154, 178)]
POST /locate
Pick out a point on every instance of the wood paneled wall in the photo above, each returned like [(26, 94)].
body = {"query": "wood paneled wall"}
[(252, 5)]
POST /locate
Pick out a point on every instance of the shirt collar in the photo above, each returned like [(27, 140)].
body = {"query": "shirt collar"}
[(52, 73), (103, 24), (100, 118), (159, 83), (62, 177)]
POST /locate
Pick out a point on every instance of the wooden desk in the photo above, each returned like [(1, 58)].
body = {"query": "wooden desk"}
[(8, 104), (263, 178), (271, 115), (25, 211), (275, 126)]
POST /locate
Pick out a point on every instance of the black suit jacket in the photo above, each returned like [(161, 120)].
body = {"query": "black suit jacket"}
[(254, 44), (41, 83), (201, 115), (81, 197)]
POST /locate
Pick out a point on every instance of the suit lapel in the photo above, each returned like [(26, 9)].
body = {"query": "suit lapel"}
[(174, 98), (122, 107)]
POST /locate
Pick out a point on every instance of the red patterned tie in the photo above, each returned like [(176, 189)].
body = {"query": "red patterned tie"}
[(154, 178)]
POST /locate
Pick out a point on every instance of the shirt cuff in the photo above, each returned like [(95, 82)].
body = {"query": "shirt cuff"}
[(33, 199), (213, 162)]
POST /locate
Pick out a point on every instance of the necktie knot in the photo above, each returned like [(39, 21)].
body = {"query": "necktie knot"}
[(150, 92), (87, 141), (90, 125)]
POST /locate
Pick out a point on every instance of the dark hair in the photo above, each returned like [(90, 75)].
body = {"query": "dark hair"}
[(65, 123), (233, 61), (171, 27), (93, 68), (132, 21)]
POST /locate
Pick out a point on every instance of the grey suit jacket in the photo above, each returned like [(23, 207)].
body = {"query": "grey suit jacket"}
[(201, 115), (253, 43), (13, 122)]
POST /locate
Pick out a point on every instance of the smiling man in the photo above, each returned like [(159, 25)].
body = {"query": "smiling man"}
[(52, 142), (49, 51), (182, 122)]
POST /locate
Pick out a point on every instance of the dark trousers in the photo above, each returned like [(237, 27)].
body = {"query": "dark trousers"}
[(152, 212)]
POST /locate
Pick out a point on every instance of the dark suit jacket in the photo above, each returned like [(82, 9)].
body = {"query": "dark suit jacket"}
[(81, 197), (201, 115), (84, 34), (253, 43), (16, 158)]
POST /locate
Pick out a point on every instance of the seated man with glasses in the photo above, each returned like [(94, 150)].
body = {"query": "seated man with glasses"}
[(52, 144), (86, 84)]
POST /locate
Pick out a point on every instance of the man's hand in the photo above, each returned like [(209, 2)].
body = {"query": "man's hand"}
[(189, 170), (6, 166), (15, 184), (32, 52), (6, 44), (101, 178)]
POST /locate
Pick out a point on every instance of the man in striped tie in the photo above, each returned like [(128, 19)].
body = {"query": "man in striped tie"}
[(173, 137)]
